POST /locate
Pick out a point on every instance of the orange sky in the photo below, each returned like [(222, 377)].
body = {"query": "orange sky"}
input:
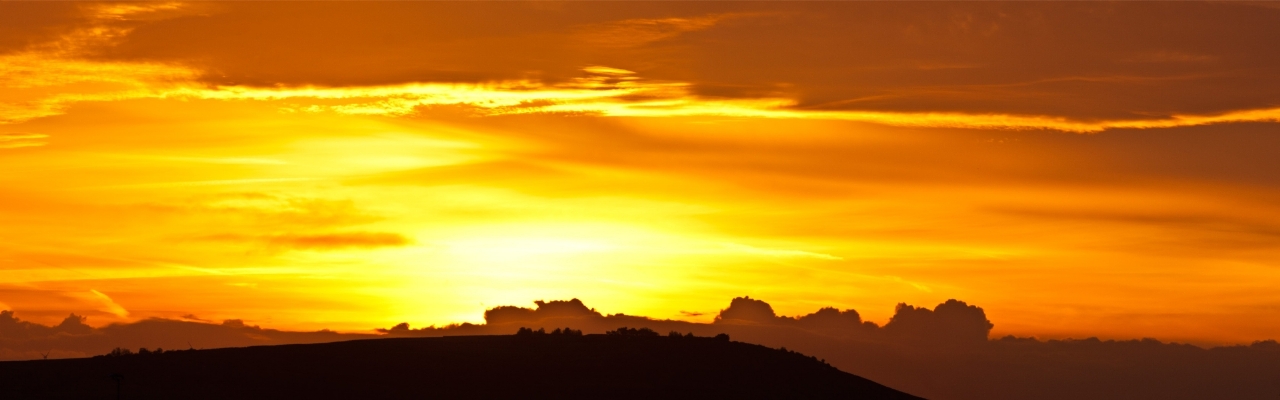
[(1076, 169)]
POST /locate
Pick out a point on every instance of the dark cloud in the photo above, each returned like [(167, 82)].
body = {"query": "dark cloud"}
[(24, 24), (1076, 59), (950, 321), (746, 309), (74, 338)]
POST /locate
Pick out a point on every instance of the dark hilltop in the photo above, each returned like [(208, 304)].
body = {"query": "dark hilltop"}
[(624, 363)]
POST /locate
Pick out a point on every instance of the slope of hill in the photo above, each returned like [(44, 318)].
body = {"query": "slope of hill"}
[(529, 366)]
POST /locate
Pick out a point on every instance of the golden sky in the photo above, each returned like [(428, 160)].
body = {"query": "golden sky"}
[(1076, 169)]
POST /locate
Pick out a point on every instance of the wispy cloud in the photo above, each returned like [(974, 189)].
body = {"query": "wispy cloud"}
[(111, 305), (45, 78), (635, 32), (610, 97), (18, 140), (323, 241), (209, 160), (217, 182)]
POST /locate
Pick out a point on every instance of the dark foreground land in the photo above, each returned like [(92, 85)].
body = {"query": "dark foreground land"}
[(541, 366)]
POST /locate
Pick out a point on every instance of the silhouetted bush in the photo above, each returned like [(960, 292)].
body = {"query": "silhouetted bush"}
[(723, 336)]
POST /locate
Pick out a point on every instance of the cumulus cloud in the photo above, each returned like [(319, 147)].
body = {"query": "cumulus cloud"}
[(950, 321), (746, 309)]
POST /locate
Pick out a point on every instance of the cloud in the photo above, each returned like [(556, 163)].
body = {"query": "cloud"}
[(557, 309), (640, 31), (950, 321), (71, 69), (269, 209), (649, 99), (779, 253), (193, 317), (74, 338), (323, 241), (939, 353), (747, 309), (46, 78), (19, 140), (111, 305), (808, 54), (12, 328)]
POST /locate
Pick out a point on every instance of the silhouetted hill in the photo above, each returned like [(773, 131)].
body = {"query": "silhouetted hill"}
[(520, 366)]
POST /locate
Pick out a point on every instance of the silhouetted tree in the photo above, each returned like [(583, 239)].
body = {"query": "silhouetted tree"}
[(118, 352), (567, 331), (723, 336), (632, 332)]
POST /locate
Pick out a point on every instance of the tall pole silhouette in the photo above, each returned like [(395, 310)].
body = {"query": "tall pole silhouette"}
[(117, 377)]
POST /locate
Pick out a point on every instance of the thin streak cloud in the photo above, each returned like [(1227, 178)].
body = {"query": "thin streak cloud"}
[(779, 252)]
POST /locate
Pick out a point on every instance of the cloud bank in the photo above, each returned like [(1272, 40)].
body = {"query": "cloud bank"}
[(938, 353)]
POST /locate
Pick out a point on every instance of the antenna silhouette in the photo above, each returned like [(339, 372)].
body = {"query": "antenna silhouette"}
[(189, 346), (46, 354)]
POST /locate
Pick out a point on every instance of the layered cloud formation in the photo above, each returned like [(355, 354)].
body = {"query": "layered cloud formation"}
[(1078, 169), (1016, 80)]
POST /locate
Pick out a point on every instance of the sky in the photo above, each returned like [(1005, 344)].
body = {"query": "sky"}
[(1076, 169)]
